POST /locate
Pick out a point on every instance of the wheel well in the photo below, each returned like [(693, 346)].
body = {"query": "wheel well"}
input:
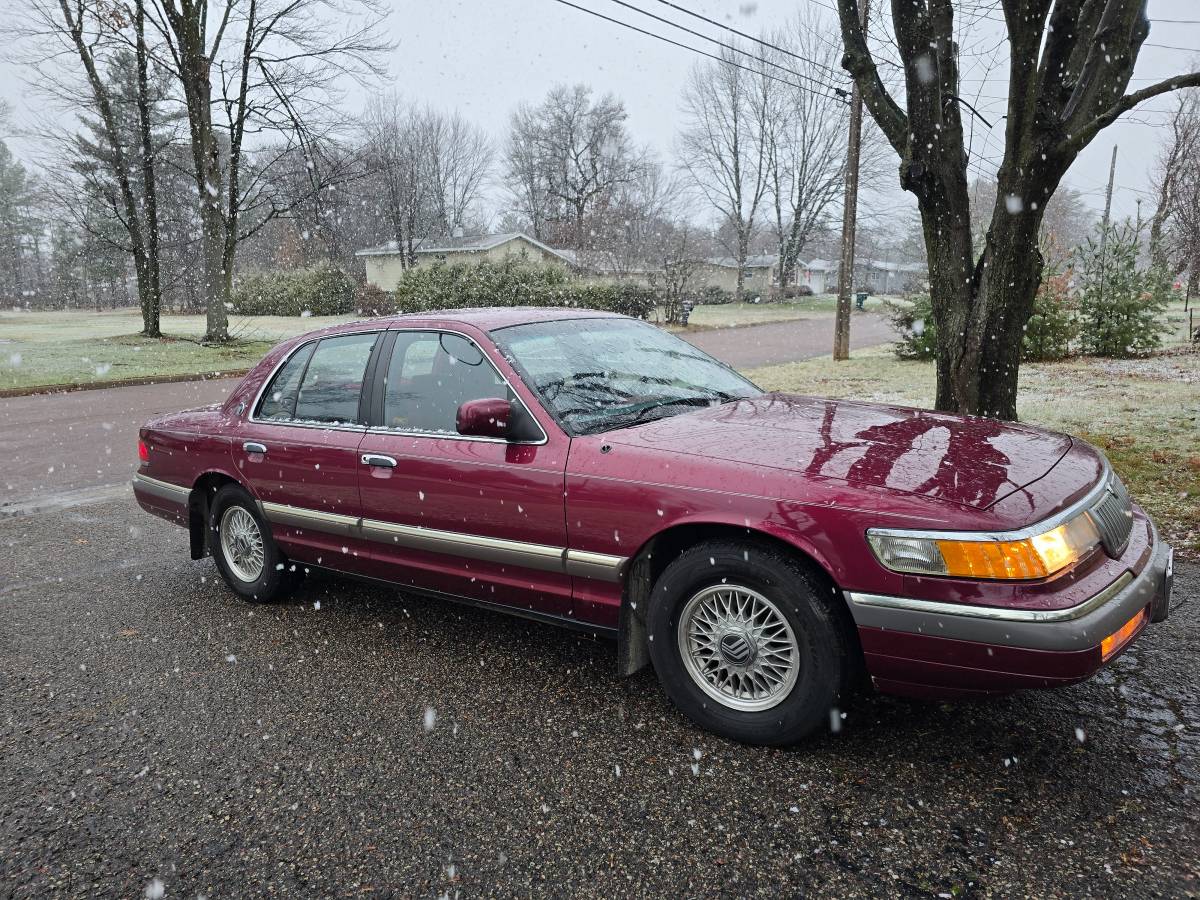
[(654, 557), (203, 490)]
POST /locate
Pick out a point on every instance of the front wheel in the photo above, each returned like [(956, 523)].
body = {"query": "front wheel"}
[(749, 643), (244, 551)]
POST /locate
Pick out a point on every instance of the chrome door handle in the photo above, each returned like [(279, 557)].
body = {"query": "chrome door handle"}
[(254, 447), (378, 459)]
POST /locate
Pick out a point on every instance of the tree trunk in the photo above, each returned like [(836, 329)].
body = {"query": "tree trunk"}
[(986, 308), (743, 248), (152, 302), (1193, 282)]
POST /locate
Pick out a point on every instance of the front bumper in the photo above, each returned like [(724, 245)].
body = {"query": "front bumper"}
[(932, 648)]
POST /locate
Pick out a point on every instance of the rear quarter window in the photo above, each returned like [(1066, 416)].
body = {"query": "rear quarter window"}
[(279, 399)]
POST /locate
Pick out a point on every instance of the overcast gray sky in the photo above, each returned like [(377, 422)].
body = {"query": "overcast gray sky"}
[(484, 56)]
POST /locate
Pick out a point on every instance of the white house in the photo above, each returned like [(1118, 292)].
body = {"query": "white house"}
[(877, 276)]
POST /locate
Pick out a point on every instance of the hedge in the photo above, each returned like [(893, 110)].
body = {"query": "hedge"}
[(511, 282), (320, 291)]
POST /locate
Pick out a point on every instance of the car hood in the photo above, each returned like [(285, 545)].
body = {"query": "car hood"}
[(970, 461)]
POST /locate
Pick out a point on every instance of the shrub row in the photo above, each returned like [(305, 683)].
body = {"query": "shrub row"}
[(511, 282), (320, 291)]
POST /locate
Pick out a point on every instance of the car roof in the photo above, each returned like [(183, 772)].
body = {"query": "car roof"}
[(489, 318)]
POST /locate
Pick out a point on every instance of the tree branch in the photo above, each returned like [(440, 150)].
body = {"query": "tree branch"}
[(858, 61), (1083, 136)]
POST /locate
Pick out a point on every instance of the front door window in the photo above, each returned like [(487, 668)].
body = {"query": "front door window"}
[(430, 375)]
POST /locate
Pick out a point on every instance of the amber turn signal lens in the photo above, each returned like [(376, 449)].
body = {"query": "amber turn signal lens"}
[(996, 559), (979, 556), (1121, 636)]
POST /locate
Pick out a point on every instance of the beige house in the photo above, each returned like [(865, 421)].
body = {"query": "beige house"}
[(384, 268), (722, 272)]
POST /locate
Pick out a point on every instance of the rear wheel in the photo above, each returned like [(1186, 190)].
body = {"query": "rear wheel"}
[(749, 643), (244, 551)]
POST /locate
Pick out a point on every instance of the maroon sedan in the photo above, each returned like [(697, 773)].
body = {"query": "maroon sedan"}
[(765, 551)]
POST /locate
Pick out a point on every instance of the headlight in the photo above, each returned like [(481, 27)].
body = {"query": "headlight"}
[(980, 556)]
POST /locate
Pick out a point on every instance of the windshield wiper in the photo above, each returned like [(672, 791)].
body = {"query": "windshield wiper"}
[(638, 417)]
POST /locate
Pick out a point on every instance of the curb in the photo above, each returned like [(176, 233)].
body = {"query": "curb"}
[(6, 393)]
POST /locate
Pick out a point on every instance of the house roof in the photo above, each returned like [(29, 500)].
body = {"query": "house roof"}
[(761, 261), (832, 265), (475, 243)]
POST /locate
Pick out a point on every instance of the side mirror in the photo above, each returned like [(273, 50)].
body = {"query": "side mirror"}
[(489, 417)]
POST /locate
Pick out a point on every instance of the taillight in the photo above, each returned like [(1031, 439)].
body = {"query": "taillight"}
[(143, 451)]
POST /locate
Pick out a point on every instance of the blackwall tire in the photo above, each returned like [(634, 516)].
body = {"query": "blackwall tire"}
[(750, 642), (244, 551)]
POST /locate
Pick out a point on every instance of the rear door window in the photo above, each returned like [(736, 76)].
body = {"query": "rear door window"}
[(333, 380)]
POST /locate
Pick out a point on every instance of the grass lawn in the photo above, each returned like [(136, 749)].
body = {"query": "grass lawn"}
[(1144, 413), (76, 347)]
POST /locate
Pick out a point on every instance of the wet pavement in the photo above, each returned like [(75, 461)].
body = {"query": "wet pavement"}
[(153, 726)]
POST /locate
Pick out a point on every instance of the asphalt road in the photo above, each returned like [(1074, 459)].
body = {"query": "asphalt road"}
[(66, 448), (152, 726)]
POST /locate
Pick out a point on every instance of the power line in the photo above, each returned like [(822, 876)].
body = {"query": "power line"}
[(1170, 47), (761, 59), (728, 62), (748, 37)]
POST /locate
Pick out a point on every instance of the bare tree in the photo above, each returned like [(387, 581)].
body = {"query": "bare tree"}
[(250, 68), (1182, 249), (677, 251), (1070, 63), (97, 33), (723, 147), (625, 228), (1174, 179), (397, 148), (805, 137), (568, 157), (458, 164)]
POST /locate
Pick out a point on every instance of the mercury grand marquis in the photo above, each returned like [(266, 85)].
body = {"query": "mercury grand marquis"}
[(767, 553)]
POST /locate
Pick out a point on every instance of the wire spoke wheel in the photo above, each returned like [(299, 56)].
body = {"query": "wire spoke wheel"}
[(738, 647), (242, 544)]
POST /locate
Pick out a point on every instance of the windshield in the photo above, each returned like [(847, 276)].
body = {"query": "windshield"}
[(599, 374)]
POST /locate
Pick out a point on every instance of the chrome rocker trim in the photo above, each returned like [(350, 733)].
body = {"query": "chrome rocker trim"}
[(164, 490), (543, 557), (1079, 627)]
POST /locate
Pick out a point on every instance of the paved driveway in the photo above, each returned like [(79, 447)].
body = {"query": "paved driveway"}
[(154, 726)]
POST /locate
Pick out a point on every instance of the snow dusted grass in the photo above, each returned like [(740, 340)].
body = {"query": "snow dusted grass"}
[(733, 315), (75, 347), (1144, 413)]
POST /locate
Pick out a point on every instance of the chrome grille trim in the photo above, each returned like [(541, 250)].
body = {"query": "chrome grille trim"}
[(1113, 517)]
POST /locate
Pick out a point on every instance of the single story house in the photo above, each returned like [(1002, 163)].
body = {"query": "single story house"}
[(384, 268), (878, 276), (722, 272)]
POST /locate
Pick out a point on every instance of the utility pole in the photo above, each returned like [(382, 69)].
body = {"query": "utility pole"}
[(1112, 176), (841, 326)]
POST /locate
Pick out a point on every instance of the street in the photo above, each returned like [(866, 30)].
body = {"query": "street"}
[(154, 726), (356, 741)]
